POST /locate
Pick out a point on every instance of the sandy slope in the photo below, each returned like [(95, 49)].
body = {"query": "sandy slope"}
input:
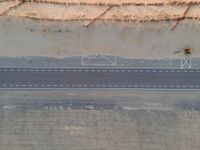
[(122, 2), (51, 11)]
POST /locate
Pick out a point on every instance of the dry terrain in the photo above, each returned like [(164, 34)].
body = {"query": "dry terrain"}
[(151, 29), (141, 120), (84, 10)]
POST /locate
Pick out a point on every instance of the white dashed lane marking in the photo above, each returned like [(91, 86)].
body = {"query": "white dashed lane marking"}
[(98, 86), (100, 70)]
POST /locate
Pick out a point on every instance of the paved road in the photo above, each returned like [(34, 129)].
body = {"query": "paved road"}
[(99, 78)]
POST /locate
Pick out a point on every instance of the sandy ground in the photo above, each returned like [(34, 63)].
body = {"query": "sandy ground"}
[(131, 40), (51, 12), (147, 120), (121, 2), (127, 99), (57, 12), (4, 6), (72, 30)]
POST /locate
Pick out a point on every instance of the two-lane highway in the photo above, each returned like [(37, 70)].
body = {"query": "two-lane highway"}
[(33, 78)]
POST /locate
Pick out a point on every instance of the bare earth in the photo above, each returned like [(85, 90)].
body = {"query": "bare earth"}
[(65, 11), (139, 27), (149, 120)]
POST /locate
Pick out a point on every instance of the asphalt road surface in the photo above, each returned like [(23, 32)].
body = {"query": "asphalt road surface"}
[(47, 78)]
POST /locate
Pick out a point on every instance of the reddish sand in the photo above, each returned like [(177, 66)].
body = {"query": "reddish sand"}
[(51, 11)]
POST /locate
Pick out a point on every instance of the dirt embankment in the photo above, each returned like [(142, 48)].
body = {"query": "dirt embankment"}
[(84, 10)]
